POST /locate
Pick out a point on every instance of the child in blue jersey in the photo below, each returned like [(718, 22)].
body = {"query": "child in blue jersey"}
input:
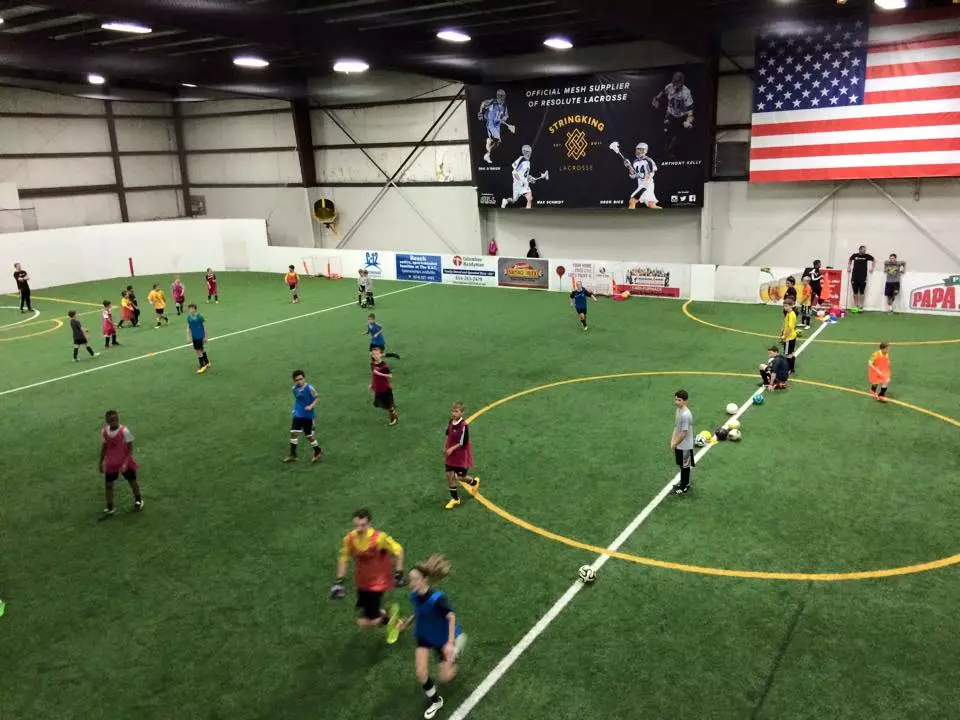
[(304, 411), (197, 334), (377, 338), (578, 300), (435, 628)]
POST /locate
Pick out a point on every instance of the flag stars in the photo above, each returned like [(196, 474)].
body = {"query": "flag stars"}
[(843, 91), (760, 106), (833, 100), (853, 98), (834, 82), (855, 62), (845, 72), (796, 103), (815, 102), (846, 53), (778, 104)]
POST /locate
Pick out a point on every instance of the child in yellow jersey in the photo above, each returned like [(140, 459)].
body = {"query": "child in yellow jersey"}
[(878, 369), (806, 301), (788, 333), (293, 282), (156, 298)]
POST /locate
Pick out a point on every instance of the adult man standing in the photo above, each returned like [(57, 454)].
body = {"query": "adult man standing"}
[(681, 442), (815, 273), (893, 270), (859, 266), (23, 286)]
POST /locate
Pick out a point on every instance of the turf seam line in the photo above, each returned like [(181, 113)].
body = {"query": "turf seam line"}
[(501, 668), (154, 353), (782, 651)]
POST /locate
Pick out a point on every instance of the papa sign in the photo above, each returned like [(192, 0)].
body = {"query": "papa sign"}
[(941, 297)]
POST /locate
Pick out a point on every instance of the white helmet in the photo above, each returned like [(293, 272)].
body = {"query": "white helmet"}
[(641, 149), (501, 95), (527, 151)]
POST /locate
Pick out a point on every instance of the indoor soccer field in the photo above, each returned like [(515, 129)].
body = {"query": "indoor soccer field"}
[(810, 573)]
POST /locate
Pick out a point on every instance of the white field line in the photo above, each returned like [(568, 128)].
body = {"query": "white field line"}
[(487, 684), (98, 368), (36, 314)]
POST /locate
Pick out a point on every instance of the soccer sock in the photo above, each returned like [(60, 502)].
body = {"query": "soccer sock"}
[(583, 321), (316, 446), (200, 360), (76, 351), (106, 342), (293, 447), (384, 618), (120, 324), (114, 339), (684, 477), (206, 360), (470, 481), (453, 493), (89, 350), (883, 391), (873, 388), (430, 690)]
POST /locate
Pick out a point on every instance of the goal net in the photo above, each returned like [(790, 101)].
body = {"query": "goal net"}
[(325, 265)]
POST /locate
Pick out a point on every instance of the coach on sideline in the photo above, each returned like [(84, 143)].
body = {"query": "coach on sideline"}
[(23, 285)]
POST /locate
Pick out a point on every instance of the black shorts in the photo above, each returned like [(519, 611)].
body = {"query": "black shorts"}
[(892, 289), (684, 458), (383, 399), (437, 649), (79, 341), (581, 311), (458, 471), (198, 343), (128, 475), (789, 346), (304, 425), (858, 285), (368, 602), (159, 311)]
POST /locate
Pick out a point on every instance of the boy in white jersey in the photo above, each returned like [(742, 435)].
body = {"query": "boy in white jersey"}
[(642, 169), (521, 179)]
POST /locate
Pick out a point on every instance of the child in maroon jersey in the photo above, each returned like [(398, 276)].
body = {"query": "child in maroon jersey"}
[(179, 294), (116, 459), (213, 292), (458, 455), (106, 323), (380, 377)]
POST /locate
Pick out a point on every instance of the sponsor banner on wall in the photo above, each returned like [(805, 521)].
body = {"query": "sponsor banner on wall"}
[(379, 264), (598, 277), (941, 297), (650, 279), (476, 270), (635, 139), (422, 268), (523, 273)]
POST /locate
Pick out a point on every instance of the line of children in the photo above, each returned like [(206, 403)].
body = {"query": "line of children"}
[(159, 301), (179, 294), (292, 279), (788, 332)]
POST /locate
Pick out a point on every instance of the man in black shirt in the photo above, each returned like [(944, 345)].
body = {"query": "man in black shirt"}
[(23, 285), (815, 273), (859, 266)]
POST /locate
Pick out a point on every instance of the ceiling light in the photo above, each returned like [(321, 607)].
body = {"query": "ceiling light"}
[(95, 79), (127, 28), (189, 85), (250, 61), (558, 43), (1, 21), (350, 66), (841, 2), (890, 4), (453, 36)]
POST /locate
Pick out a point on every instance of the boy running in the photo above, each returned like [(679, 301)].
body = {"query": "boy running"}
[(179, 293), (116, 459), (380, 377), (435, 627), (879, 371), (197, 334), (159, 301), (578, 301), (213, 292), (79, 336), (293, 283), (377, 338), (371, 550), (681, 441), (458, 455), (304, 412), (106, 324), (788, 333)]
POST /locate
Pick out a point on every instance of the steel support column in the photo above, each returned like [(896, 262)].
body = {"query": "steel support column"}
[(303, 132), (115, 154), (182, 159)]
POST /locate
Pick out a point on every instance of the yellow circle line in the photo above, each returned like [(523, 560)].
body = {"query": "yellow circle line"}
[(899, 343), (58, 324), (701, 569), (34, 323)]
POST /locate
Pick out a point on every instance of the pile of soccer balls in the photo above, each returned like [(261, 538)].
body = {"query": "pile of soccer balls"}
[(730, 430)]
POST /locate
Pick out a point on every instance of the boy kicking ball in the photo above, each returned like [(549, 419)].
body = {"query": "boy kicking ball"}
[(879, 371)]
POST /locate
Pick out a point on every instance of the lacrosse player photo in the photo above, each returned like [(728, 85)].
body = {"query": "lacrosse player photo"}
[(522, 179), (494, 114), (679, 113), (642, 169)]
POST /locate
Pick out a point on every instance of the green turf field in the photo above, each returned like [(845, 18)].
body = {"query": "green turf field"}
[(213, 602)]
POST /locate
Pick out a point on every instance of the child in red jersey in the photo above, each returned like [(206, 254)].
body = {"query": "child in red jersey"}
[(380, 377), (179, 294), (126, 310), (212, 289), (292, 279), (458, 455), (116, 459), (106, 323)]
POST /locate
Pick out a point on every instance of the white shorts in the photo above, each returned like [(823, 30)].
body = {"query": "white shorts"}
[(645, 192), (520, 189)]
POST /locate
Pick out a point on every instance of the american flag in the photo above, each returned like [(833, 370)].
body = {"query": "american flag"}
[(857, 99)]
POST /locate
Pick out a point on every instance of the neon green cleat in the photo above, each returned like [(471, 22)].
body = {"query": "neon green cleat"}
[(393, 624)]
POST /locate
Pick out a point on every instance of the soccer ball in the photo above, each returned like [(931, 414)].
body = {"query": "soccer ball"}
[(587, 574), (702, 438), (734, 434), (722, 433), (758, 399), (732, 408), (363, 304), (733, 425), (820, 314)]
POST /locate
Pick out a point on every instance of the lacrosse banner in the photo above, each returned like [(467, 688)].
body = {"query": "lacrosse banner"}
[(636, 140)]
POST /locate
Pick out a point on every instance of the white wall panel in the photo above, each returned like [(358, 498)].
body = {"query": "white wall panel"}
[(390, 123), (246, 131), (285, 209), (266, 167), (154, 205), (354, 166), (734, 98), (221, 106), (56, 172), (35, 101), (141, 170), (53, 135), (143, 108), (145, 134), (78, 210)]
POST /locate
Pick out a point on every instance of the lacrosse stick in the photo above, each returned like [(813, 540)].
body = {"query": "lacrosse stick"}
[(511, 128), (615, 146), (545, 175)]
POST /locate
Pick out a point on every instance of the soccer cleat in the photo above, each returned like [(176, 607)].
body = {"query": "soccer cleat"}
[(316, 455), (475, 487), (202, 369), (881, 398), (433, 707), (677, 490), (138, 505), (392, 422), (451, 504), (586, 327), (107, 513), (76, 360), (393, 624), (290, 458)]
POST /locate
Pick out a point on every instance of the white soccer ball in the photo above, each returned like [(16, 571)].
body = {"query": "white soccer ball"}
[(733, 425), (700, 441), (734, 434), (732, 408), (587, 574)]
